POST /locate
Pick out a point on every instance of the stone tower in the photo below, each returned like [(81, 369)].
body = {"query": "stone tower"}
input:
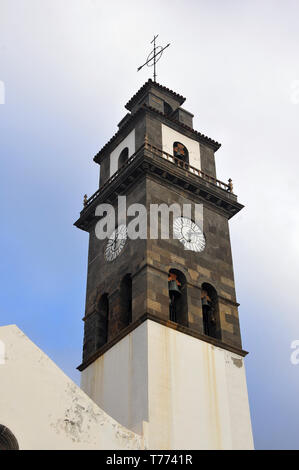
[(162, 348)]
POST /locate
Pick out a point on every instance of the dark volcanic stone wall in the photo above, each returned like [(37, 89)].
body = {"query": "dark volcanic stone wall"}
[(213, 265)]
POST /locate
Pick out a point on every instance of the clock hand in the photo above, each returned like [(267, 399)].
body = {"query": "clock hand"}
[(189, 235), (114, 243)]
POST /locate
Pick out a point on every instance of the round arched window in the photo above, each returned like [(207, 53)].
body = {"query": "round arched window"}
[(124, 155), (210, 311), (7, 439), (180, 151), (178, 299)]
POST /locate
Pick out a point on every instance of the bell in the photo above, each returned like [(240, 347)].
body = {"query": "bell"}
[(173, 287)]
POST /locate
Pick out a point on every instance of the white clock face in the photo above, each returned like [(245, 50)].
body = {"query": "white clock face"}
[(116, 242), (189, 234)]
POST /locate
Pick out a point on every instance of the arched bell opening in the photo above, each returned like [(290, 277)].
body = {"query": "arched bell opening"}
[(123, 157), (210, 311), (180, 152), (7, 439), (126, 301), (102, 317), (178, 302)]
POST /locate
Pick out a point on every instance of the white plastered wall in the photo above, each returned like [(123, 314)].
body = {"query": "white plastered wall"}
[(169, 136), (183, 392), (44, 409), (118, 380), (198, 394), (129, 142)]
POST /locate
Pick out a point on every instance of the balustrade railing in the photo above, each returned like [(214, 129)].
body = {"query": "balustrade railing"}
[(170, 158), (185, 166)]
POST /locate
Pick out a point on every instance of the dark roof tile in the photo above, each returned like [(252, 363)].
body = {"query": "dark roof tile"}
[(215, 145), (203, 137), (149, 83)]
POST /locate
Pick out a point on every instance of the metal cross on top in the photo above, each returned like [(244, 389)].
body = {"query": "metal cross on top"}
[(154, 56)]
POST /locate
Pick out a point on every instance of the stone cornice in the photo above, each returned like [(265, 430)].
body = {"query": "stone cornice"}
[(167, 119), (98, 157), (175, 326), (200, 137), (145, 162)]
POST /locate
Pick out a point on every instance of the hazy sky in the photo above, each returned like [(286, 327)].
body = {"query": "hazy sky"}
[(68, 68)]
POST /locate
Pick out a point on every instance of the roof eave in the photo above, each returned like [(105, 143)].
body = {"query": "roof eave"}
[(135, 98)]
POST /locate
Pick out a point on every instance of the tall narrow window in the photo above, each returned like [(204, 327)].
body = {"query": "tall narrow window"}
[(210, 311), (178, 304), (125, 301), (180, 152), (123, 157), (101, 327)]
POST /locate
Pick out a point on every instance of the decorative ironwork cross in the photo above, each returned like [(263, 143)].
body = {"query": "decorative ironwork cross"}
[(154, 56)]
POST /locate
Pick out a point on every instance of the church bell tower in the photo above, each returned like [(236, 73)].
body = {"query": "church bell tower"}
[(162, 349)]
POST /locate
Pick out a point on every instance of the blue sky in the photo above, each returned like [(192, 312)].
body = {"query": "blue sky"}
[(68, 68)]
